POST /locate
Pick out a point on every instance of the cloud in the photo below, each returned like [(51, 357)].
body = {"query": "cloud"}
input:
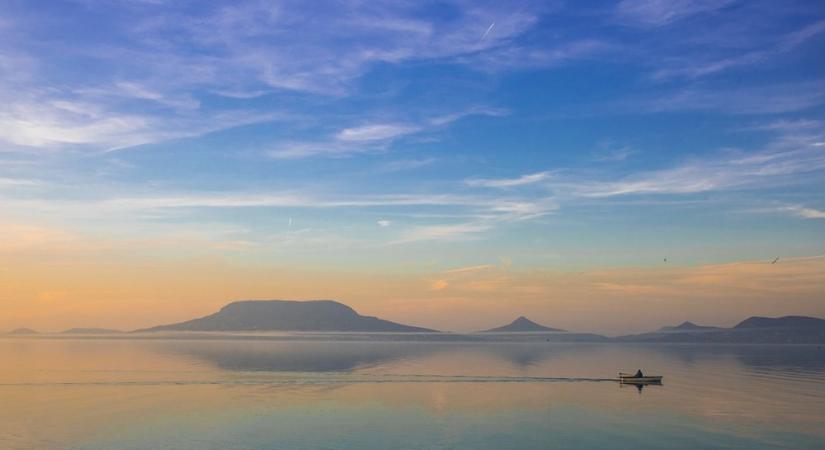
[(508, 182), (58, 121), (405, 164), (441, 232), (486, 207), (490, 214), (613, 154), (803, 212), (439, 285), (693, 68), (768, 99), (370, 138), (288, 199), (21, 237), (446, 119), (16, 182), (658, 13), (785, 160), (317, 49), (131, 89), (332, 149), (469, 269), (157, 72), (465, 278), (375, 132), (786, 125), (470, 216), (505, 58)]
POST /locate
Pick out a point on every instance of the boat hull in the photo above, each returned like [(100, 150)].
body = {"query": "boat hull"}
[(633, 380)]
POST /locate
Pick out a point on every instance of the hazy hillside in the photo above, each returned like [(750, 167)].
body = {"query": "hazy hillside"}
[(286, 315)]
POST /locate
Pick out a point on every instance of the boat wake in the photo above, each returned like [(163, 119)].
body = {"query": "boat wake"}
[(320, 380)]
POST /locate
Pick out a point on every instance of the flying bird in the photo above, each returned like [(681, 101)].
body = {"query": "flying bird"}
[(775, 260), (665, 259)]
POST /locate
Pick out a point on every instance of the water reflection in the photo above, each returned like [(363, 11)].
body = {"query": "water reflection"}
[(779, 358), (292, 356), (253, 394), (639, 385), (320, 356)]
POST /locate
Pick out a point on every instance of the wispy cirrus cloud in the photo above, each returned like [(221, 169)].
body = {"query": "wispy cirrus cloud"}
[(405, 164), (152, 76), (59, 122), (471, 216), (804, 212), (286, 199), (375, 132), (787, 160), (56, 121), (495, 213), (769, 99), (613, 154), (700, 68), (567, 52), (323, 50), (664, 12), (371, 137), (792, 156), (469, 269), (508, 182), (444, 232)]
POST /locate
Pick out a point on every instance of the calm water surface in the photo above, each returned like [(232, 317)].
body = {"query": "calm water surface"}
[(368, 393)]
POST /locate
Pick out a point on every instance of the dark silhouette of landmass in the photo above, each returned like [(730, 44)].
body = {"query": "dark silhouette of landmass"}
[(686, 326), (753, 330), (787, 322), (22, 331), (288, 315), (90, 331), (332, 316), (524, 329), (522, 325)]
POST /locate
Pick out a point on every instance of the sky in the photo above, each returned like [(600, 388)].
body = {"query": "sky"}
[(607, 166)]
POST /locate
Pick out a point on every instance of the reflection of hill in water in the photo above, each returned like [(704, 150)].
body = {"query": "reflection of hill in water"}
[(524, 355), (294, 356), (331, 356), (756, 356), (789, 357)]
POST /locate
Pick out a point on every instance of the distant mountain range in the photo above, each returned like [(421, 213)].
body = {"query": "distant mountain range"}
[(686, 327), (90, 331), (329, 315), (288, 315), (22, 331), (753, 330), (523, 325)]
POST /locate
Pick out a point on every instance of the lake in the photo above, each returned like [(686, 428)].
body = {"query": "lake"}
[(374, 392)]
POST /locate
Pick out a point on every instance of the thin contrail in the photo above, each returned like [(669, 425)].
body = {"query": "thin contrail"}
[(489, 29)]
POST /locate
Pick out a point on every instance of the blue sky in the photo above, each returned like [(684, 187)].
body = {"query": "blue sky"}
[(403, 135)]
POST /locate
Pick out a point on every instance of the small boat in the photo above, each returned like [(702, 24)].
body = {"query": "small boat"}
[(628, 378)]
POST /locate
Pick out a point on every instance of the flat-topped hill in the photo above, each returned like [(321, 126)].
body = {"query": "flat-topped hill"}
[(288, 315)]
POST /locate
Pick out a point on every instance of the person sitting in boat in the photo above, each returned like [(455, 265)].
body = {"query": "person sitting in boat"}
[(638, 374)]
